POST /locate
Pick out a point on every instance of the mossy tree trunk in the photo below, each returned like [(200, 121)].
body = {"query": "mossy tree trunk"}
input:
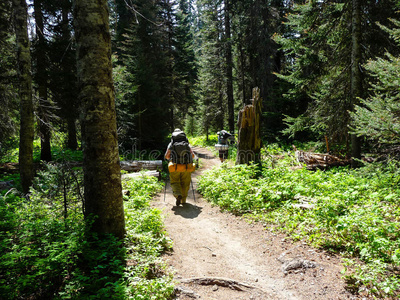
[(102, 177), (249, 139), (25, 91)]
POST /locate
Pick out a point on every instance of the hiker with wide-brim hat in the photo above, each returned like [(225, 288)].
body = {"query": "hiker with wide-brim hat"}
[(180, 166)]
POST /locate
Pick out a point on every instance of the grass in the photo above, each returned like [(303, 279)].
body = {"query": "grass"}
[(356, 211)]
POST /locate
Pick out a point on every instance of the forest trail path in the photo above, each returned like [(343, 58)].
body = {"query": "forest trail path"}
[(212, 244)]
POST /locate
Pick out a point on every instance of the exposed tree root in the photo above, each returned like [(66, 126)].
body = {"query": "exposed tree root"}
[(224, 282)]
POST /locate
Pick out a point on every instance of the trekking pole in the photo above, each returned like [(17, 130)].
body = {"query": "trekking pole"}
[(193, 190), (165, 188)]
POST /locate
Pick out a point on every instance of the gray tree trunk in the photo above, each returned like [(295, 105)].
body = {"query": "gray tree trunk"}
[(229, 67), (71, 115), (25, 91), (356, 75), (41, 65), (102, 176)]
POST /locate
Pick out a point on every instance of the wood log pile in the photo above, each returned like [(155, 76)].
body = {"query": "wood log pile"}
[(322, 161)]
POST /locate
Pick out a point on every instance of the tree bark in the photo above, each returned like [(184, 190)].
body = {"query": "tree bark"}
[(249, 139), (356, 75), (220, 115), (229, 67), (102, 176), (72, 142), (25, 91), (41, 77)]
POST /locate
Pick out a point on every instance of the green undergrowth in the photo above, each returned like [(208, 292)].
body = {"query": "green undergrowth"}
[(58, 151), (354, 212), (202, 141), (46, 253)]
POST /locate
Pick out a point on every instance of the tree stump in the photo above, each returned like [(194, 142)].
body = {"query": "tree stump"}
[(249, 139)]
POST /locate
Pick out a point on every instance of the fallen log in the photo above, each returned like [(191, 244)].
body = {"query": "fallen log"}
[(143, 173), (9, 168), (138, 165)]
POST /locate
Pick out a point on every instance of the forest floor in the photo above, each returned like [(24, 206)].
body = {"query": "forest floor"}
[(217, 255)]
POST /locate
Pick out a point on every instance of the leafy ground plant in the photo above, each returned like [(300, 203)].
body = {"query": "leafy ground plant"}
[(47, 253), (353, 212)]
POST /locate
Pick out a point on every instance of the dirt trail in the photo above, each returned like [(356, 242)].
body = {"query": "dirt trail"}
[(240, 260)]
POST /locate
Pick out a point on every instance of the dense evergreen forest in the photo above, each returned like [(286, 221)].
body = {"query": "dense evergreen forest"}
[(114, 78), (324, 69)]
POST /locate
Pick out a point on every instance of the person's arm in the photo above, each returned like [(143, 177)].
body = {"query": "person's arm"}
[(167, 154), (193, 155)]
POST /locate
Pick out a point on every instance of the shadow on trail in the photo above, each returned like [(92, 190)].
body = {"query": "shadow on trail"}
[(187, 211)]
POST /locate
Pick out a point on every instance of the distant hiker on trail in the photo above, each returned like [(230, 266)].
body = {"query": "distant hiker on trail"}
[(224, 139), (180, 166)]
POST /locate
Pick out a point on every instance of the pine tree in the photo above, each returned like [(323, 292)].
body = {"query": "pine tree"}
[(212, 70), (376, 117), (185, 64), (147, 60), (158, 54), (62, 73), (319, 63), (8, 101), (257, 57)]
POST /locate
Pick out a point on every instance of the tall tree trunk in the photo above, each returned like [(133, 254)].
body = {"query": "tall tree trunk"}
[(102, 175), (356, 75), (229, 66), (170, 68), (25, 91), (72, 142), (43, 111), (242, 75), (221, 111)]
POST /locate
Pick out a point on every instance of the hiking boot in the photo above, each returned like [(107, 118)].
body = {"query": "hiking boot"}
[(178, 200)]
